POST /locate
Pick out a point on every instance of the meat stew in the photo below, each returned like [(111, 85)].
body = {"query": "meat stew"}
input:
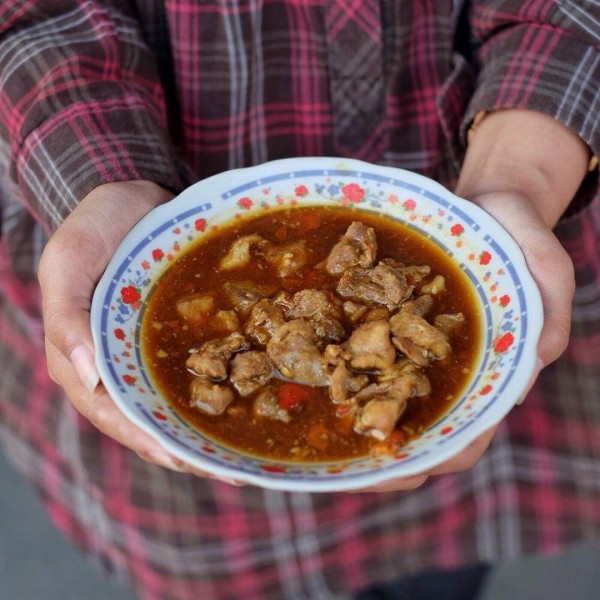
[(312, 334)]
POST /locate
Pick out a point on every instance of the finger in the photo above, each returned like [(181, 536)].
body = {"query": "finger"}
[(100, 410), (465, 459), (548, 263), (74, 260), (403, 484), (557, 288)]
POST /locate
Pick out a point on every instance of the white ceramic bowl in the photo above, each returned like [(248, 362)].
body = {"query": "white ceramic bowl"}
[(508, 297)]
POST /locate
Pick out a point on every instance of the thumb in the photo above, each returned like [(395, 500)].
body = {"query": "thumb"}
[(74, 260)]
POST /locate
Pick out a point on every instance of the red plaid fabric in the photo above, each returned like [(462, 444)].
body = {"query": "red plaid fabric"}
[(93, 92)]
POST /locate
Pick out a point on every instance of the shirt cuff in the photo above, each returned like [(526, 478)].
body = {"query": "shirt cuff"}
[(539, 68)]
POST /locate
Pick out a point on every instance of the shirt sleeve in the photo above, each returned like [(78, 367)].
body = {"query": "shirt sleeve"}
[(542, 56), (80, 103)]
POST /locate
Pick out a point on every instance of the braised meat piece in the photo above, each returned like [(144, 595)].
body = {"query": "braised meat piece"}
[(287, 259), (357, 247), (264, 319), (343, 383), (266, 405), (211, 359), (239, 253), (195, 308), (379, 285), (449, 322), (369, 347), (319, 308), (294, 352), (308, 303), (421, 305), (210, 397), (413, 274), (410, 330), (244, 294), (250, 371), (378, 417)]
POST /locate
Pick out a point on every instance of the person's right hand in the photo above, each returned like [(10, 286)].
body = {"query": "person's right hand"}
[(71, 265)]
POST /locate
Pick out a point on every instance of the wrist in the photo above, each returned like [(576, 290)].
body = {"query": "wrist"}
[(526, 154)]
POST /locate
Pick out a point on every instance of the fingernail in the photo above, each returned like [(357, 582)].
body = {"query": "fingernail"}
[(229, 481), (82, 359)]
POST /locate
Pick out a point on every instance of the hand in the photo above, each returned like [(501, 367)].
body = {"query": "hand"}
[(523, 168), (71, 265)]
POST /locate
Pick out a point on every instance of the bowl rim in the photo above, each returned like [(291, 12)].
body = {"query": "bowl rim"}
[(164, 213)]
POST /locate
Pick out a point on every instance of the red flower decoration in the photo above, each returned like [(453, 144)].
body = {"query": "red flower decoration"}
[(245, 202), (130, 294), (301, 190), (129, 379), (504, 342), (119, 334), (456, 229), (157, 254), (486, 389), (409, 204), (200, 224), (504, 300), (353, 192), (485, 257), (273, 468)]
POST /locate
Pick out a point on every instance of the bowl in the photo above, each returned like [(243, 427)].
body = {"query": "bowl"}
[(508, 299)]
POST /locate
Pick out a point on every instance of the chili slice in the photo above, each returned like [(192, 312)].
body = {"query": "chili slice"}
[(292, 395)]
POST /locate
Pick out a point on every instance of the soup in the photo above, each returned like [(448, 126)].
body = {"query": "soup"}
[(312, 334)]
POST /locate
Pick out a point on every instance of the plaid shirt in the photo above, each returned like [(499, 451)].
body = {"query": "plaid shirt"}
[(92, 92)]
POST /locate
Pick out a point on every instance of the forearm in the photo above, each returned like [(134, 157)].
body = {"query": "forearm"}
[(82, 103), (526, 153)]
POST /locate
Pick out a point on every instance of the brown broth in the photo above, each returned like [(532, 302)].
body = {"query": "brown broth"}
[(164, 332)]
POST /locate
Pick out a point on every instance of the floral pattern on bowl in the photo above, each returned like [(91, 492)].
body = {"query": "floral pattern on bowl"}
[(509, 302)]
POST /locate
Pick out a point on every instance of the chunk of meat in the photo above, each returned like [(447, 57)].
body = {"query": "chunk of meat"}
[(210, 397), (244, 294), (413, 274), (436, 286), (195, 308), (369, 347), (378, 417), (287, 259), (353, 311), (226, 320), (250, 371), (308, 303), (264, 319), (405, 325), (417, 355), (294, 352), (211, 359), (266, 405), (378, 285), (449, 322), (418, 306), (357, 247), (239, 252), (343, 383), (318, 307)]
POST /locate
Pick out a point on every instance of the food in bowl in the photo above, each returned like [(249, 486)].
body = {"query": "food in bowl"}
[(312, 333), (507, 301)]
